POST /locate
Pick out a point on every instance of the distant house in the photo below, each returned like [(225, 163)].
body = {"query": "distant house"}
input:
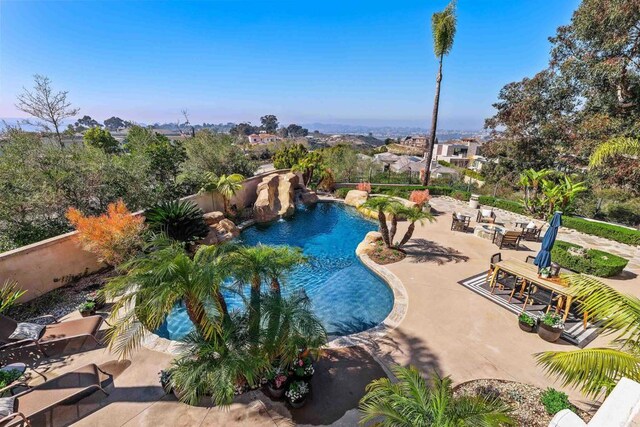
[(418, 141), (457, 152), (413, 164), (262, 138)]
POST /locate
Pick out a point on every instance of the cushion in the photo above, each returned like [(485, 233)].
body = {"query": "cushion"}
[(531, 225), (26, 331), (460, 216), (6, 406), (486, 212)]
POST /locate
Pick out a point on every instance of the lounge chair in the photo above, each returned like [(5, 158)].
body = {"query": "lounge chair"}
[(65, 388), (508, 239), (460, 222), (530, 233), (486, 215), (51, 333)]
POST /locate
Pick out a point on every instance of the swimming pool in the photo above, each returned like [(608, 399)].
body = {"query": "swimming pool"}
[(346, 296)]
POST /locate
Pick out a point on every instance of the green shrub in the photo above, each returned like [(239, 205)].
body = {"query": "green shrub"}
[(608, 231), (555, 401), (342, 192), (527, 319), (595, 262), (624, 213), (473, 174), (444, 163), (181, 220), (507, 205)]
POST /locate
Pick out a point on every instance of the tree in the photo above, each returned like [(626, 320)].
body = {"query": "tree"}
[(600, 368), (620, 146), (289, 155), (412, 402), (42, 103), (86, 122), (269, 123), (243, 129), (102, 139), (115, 123), (294, 131), (414, 215), (308, 165), (381, 204), (114, 236), (225, 185), (443, 29)]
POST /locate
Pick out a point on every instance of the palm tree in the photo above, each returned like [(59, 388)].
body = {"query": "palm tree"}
[(225, 185), (381, 204), (619, 146), (291, 325), (443, 29), (412, 402), (414, 215), (597, 369), (156, 282)]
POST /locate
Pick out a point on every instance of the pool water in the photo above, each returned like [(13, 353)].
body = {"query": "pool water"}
[(346, 296)]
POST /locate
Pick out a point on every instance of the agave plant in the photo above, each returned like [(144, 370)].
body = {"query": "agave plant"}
[(181, 220), (413, 402), (598, 369)]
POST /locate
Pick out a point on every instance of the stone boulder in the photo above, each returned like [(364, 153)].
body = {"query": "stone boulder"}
[(222, 231), (265, 205), (286, 194), (356, 198), (308, 197), (369, 242), (212, 218)]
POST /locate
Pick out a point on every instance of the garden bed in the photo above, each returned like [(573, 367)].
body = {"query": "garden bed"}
[(594, 262), (525, 399), (62, 301), (383, 255)]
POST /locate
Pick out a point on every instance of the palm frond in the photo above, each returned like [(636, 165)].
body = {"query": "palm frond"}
[(620, 146)]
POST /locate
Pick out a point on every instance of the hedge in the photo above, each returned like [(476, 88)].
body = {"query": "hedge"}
[(434, 190), (597, 263), (608, 231), (507, 205)]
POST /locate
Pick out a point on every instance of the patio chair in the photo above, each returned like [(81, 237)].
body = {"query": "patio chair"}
[(530, 259), (508, 239), (486, 215), (460, 222), (51, 333), (65, 388), (530, 231)]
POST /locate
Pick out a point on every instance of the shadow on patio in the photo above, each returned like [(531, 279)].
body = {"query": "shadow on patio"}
[(423, 250)]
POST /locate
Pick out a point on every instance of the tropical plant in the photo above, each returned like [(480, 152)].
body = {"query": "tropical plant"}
[(225, 185), (156, 282), (308, 165), (414, 215), (531, 183), (216, 368), (9, 295), (380, 205), (620, 146), (181, 220), (443, 29), (600, 368), (412, 402), (559, 196), (114, 236)]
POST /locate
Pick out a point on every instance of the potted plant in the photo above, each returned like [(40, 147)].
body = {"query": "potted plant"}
[(167, 384), (87, 308), (303, 368), (276, 382), (98, 298), (297, 393), (550, 327), (527, 322), (545, 272)]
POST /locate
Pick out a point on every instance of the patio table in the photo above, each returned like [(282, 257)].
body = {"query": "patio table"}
[(529, 274)]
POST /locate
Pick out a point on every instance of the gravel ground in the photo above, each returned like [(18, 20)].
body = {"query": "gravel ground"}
[(528, 410), (61, 301)]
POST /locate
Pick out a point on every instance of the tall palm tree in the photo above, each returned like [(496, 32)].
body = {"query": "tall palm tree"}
[(282, 260), (598, 369), (412, 402), (443, 29), (155, 282), (225, 185), (619, 146), (414, 215), (381, 204)]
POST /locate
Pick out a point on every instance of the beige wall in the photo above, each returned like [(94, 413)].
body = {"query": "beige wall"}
[(44, 266)]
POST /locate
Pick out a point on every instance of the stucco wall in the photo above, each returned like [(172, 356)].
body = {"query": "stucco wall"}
[(44, 266)]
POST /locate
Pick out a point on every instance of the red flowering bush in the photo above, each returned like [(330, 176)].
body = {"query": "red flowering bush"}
[(420, 197), (364, 186)]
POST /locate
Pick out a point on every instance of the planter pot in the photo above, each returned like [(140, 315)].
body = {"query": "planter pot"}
[(526, 327), (549, 333), (299, 404), (276, 393), (177, 393), (86, 313)]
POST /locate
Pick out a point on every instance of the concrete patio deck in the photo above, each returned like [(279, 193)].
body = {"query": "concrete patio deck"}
[(447, 328)]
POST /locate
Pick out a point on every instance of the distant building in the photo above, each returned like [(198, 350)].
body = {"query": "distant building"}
[(457, 152), (262, 138), (418, 141)]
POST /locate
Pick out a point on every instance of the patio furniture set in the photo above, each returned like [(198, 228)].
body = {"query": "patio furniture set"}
[(487, 228), (18, 409)]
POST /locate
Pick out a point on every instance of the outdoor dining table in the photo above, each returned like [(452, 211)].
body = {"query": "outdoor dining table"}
[(529, 274)]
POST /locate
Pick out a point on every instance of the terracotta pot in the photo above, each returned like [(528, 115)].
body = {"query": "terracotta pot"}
[(549, 333), (526, 327)]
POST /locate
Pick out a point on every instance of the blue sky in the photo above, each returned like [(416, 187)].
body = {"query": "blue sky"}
[(349, 61)]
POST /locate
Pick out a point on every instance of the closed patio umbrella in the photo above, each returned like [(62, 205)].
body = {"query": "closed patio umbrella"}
[(543, 259)]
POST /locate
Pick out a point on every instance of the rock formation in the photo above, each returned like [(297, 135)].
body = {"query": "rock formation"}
[(356, 198), (277, 196), (221, 229)]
